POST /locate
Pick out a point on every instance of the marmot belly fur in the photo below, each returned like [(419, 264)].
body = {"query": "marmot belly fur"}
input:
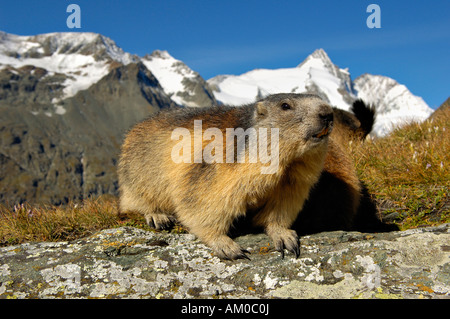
[(207, 196)]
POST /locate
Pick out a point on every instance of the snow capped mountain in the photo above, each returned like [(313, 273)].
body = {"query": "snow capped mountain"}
[(394, 103), (72, 62), (183, 85), (83, 57), (84, 43), (316, 74)]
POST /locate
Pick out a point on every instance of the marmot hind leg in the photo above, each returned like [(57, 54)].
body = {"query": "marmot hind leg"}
[(154, 216), (159, 221)]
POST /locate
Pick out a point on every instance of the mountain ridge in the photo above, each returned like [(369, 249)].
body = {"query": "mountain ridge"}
[(393, 102), (57, 154), (396, 106), (86, 57)]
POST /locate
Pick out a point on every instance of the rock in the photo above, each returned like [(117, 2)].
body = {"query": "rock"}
[(128, 262)]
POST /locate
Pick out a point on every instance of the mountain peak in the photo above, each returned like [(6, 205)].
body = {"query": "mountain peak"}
[(319, 54), (184, 86), (83, 57), (49, 44), (161, 54), (320, 59), (395, 104)]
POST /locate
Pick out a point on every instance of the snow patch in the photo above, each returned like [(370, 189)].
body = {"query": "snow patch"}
[(59, 109)]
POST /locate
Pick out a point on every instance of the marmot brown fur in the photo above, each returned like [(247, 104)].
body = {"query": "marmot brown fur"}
[(206, 197)]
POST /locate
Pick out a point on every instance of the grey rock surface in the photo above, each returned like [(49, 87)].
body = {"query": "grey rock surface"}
[(128, 262)]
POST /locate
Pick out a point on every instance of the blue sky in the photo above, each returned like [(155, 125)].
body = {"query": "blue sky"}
[(232, 37)]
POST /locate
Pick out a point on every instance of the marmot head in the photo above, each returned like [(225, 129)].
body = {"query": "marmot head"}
[(304, 120)]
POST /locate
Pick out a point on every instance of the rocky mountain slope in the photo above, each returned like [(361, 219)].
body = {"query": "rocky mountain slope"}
[(52, 154), (66, 100), (395, 103), (85, 58)]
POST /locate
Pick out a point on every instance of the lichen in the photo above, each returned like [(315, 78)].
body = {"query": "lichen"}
[(128, 262)]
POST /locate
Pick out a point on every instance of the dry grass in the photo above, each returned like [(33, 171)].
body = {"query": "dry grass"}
[(23, 223), (408, 172)]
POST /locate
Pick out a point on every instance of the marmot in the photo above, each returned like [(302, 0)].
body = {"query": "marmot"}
[(340, 200), (207, 196)]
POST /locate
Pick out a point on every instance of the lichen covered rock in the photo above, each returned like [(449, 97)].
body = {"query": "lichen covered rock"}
[(132, 263)]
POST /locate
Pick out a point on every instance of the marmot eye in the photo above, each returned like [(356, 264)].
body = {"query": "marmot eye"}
[(285, 106)]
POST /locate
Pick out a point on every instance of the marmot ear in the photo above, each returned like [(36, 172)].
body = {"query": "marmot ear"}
[(261, 109)]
